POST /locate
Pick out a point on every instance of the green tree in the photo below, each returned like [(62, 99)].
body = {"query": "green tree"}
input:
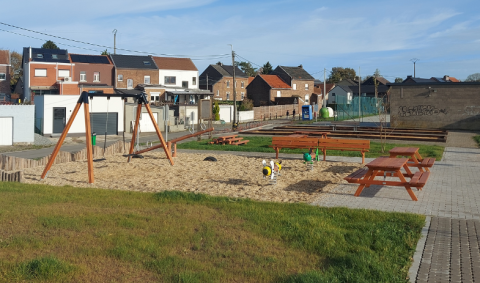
[(267, 68), (398, 80), (339, 73), (473, 78), (216, 111), (376, 74), (50, 45), (105, 52), (16, 70), (247, 68)]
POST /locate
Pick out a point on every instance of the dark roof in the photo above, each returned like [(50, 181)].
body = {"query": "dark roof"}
[(297, 73), (347, 82), (227, 71), (128, 91), (46, 55), (169, 63), (418, 80), (133, 62), (92, 59), (369, 89), (344, 87)]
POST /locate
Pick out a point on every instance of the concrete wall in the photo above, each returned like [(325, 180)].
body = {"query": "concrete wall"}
[(246, 116), (23, 121), (454, 106), (226, 113), (44, 105)]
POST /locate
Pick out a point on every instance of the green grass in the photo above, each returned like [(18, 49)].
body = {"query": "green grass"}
[(261, 144), (61, 234), (477, 139)]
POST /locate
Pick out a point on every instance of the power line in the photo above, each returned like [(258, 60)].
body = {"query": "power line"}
[(104, 46), (247, 60)]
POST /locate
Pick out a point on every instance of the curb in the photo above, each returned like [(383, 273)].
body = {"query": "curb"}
[(417, 257)]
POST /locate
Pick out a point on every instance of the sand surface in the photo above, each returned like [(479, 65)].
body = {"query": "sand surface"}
[(232, 176)]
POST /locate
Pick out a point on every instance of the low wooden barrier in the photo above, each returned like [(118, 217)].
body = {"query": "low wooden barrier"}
[(16, 176), (13, 163)]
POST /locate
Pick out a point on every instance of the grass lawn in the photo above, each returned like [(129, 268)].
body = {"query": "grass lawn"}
[(477, 139), (261, 144), (62, 234)]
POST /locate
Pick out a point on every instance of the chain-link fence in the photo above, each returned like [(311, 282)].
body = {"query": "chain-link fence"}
[(346, 109)]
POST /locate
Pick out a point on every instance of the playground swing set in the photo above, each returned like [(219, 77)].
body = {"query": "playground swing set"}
[(84, 99)]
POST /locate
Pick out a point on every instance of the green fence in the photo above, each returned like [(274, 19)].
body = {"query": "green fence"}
[(351, 109)]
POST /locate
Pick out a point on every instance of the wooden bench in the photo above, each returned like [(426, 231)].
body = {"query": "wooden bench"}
[(293, 142), (419, 179), (353, 124), (356, 176), (428, 162), (344, 145)]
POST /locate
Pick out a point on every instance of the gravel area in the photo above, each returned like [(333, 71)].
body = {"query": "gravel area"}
[(41, 140)]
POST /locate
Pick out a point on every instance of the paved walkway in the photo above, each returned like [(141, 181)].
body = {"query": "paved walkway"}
[(451, 199)]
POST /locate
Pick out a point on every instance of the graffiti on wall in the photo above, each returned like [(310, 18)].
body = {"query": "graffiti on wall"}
[(420, 110), (471, 110)]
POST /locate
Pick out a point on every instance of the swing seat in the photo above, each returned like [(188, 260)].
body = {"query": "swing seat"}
[(133, 155), (99, 159)]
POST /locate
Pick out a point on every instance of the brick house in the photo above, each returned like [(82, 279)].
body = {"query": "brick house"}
[(318, 91), (220, 82), (92, 72), (299, 81), (47, 71), (265, 88), (4, 75), (131, 70)]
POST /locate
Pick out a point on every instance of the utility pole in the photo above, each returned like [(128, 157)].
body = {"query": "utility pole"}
[(414, 60), (234, 94), (114, 41), (324, 88)]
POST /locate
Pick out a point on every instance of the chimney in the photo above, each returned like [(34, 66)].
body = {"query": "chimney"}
[(409, 77), (446, 78), (301, 66), (220, 63)]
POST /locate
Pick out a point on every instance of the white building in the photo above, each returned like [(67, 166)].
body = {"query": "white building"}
[(52, 113), (16, 124), (340, 91), (177, 72)]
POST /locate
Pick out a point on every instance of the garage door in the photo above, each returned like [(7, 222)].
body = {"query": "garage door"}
[(146, 124), (6, 130), (99, 126)]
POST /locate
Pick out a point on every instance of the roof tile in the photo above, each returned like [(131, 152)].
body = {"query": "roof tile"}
[(170, 63), (274, 81)]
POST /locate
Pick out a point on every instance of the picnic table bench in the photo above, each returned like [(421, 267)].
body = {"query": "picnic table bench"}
[(230, 139), (383, 165), (415, 159), (314, 133), (320, 143)]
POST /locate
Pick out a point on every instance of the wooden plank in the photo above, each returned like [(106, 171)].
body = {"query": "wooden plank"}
[(241, 142)]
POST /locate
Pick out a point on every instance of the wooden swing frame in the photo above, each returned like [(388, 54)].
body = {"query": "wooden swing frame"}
[(83, 99)]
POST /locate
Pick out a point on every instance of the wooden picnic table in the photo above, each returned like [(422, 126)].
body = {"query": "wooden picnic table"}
[(390, 167), (415, 159), (297, 136), (230, 139), (316, 133)]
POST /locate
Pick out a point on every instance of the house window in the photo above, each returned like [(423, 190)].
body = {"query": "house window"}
[(306, 98), (63, 73), (40, 72), (194, 81), (120, 78), (96, 76), (218, 93), (228, 83), (40, 56), (243, 95), (306, 86), (228, 95), (83, 76), (54, 56), (243, 84), (147, 63), (3, 76), (333, 94), (185, 84), (146, 80), (279, 94), (294, 86), (170, 80), (129, 83)]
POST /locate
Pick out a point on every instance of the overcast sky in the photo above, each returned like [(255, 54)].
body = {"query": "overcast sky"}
[(444, 35)]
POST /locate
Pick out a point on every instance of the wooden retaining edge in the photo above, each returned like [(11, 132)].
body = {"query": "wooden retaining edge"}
[(16, 176), (12, 163)]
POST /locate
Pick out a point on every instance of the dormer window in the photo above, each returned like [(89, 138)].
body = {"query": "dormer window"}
[(40, 56), (54, 56), (146, 63)]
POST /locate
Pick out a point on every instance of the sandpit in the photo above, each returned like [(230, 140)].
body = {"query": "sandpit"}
[(231, 175)]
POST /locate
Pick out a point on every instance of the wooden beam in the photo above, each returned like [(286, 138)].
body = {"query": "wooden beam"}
[(135, 128), (162, 141), (88, 141), (60, 140)]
